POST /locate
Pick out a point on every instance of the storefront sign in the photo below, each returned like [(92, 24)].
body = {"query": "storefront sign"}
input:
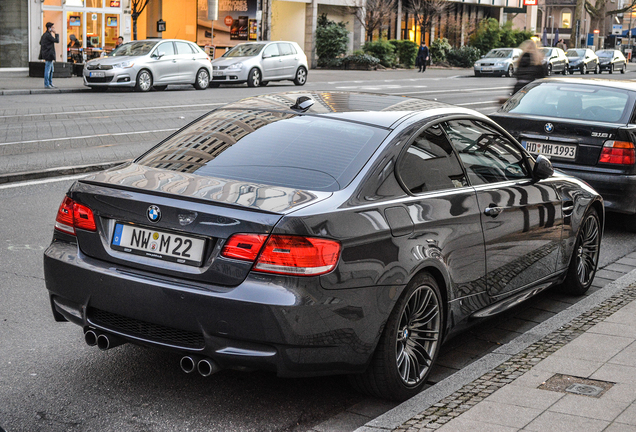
[(161, 26), (111, 21), (238, 14), (228, 21), (115, 3), (74, 21)]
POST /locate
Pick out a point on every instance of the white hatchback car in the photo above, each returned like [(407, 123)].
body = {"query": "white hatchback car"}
[(258, 63)]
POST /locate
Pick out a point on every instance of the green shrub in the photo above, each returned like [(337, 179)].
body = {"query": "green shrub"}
[(490, 35), (332, 39), (439, 49), (464, 57), (360, 58), (383, 50), (406, 51)]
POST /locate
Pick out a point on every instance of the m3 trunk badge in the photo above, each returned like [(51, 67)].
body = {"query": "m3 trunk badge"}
[(153, 213)]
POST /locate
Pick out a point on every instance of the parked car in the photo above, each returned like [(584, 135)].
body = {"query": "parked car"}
[(586, 128), (304, 234), (148, 64), (258, 63), (583, 60), (611, 60), (554, 61), (498, 61)]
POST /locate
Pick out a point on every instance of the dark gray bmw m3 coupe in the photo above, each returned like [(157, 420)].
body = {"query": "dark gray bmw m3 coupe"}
[(319, 233)]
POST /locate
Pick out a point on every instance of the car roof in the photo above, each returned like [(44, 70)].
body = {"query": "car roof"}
[(371, 108), (618, 84)]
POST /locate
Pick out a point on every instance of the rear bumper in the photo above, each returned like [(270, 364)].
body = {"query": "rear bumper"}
[(618, 190), (267, 322)]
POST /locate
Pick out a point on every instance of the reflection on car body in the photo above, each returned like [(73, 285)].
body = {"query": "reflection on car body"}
[(356, 241), (585, 127)]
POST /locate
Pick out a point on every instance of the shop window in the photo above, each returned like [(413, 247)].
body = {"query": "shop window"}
[(74, 37), (95, 3), (112, 32), (113, 3), (94, 41), (566, 19), (78, 3), (52, 2)]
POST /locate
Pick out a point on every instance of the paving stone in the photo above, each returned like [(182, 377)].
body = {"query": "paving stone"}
[(552, 421), (628, 416), (616, 373), (588, 407), (525, 397), (569, 366)]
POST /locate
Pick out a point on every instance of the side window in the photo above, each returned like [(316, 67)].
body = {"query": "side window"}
[(166, 48), (430, 164), (271, 51), (184, 48), (285, 49), (488, 156)]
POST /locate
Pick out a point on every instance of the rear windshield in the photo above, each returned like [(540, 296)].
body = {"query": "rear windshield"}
[(570, 101), (133, 49), (273, 148), (605, 53)]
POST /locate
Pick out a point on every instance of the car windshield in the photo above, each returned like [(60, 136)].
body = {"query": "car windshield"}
[(570, 101), (273, 148), (575, 53), (133, 49), (605, 53), (245, 50), (545, 51), (498, 53)]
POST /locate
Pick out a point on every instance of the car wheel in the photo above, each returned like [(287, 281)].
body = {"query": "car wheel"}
[(549, 71), (611, 68), (409, 343), (583, 69), (254, 78), (597, 69), (565, 71), (202, 80), (584, 260), (160, 88), (264, 83), (511, 71), (624, 68), (144, 81), (301, 76)]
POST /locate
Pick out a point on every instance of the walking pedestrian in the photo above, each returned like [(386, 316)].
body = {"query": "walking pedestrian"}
[(47, 53), (422, 57), (529, 67), (561, 44)]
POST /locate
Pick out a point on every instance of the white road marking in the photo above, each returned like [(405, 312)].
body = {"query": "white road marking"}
[(112, 110), (44, 181), (89, 136), (457, 90)]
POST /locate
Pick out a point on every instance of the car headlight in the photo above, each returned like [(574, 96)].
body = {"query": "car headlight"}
[(123, 65), (235, 66), (477, 65), (500, 64)]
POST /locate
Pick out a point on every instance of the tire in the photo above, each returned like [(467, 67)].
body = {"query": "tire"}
[(511, 71), (264, 83), (160, 88), (565, 71), (202, 79), (584, 69), (584, 260), (624, 68), (597, 69), (409, 344), (301, 76), (144, 81), (549, 70), (254, 78), (611, 68)]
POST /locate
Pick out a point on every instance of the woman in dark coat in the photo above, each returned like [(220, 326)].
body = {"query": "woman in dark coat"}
[(529, 67), (47, 53), (422, 57)]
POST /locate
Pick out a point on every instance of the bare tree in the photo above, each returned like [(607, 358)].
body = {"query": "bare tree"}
[(425, 11), (598, 11), (136, 8), (373, 15)]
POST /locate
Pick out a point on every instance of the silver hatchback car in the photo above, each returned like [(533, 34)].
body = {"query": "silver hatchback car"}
[(258, 63), (150, 63)]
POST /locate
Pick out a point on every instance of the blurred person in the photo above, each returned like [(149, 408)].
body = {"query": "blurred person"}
[(120, 42), (47, 53), (422, 57), (561, 44), (529, 67)]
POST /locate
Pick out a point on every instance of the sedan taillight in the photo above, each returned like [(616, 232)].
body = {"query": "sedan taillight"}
[(72, 215), (283, 254), (618, 152)]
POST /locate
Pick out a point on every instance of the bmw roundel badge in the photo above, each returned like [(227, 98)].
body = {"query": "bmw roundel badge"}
[(549, 127), (153, 213)]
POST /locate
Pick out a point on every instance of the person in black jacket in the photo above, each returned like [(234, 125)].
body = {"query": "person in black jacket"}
[(422, 57), (529, 67), (47, 53)]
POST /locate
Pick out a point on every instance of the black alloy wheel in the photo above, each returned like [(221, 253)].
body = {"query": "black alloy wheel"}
[(254, 78), (624, 68), (584, 260), (409, 344)]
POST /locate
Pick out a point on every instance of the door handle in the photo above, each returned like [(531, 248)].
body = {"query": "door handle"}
[(174, 61), (492, 210)]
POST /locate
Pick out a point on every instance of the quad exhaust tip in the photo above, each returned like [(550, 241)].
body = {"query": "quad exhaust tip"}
[(204, 366), (102, 340)]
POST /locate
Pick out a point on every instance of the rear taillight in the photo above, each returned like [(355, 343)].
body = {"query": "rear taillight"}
[(282, 254), (618, 152), (72, 215)]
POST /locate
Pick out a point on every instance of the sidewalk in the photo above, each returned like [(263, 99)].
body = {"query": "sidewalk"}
[(574, 372), (19, 83)]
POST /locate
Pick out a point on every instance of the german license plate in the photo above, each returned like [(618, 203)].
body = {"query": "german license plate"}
[(567, 151), (486, 69), (158, 244), (97, 75)]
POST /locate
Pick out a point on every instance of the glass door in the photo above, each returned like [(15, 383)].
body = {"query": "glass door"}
[(94, 35), (74, 37)]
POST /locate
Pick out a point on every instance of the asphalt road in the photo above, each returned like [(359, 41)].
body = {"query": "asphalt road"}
[(50, 380)]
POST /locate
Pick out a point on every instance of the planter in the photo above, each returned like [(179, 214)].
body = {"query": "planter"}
[(61, 69), (359, 66)]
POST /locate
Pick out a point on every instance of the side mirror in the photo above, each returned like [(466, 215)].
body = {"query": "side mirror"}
[(542, 168), (159, 54), (266, 55)]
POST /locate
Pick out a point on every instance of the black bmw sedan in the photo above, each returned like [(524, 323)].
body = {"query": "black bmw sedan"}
[(586, 127), (318, 233)]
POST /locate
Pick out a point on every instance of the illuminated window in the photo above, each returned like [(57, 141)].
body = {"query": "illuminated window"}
[(566, 19)]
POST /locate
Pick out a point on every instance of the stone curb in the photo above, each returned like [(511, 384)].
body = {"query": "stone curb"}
[(457, 393), (55, 172), (18, 92)]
